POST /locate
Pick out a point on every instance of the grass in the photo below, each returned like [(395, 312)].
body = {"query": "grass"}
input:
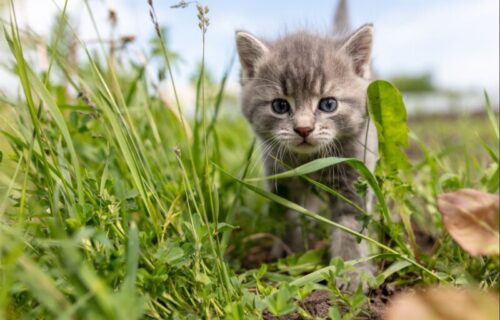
[(114, 205)]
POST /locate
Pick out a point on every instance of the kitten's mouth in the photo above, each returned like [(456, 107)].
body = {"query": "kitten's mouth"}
[(304, 147)]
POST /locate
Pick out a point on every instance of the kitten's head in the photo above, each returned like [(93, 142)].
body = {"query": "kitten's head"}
[(305, 92)]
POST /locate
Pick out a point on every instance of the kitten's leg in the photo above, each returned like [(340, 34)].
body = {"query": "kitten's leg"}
[(348, 247), (294, 233), (298, 235), (344, 244), (292, 220), (295, 236)]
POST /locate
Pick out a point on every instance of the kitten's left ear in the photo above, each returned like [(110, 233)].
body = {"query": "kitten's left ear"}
[(359, 47)]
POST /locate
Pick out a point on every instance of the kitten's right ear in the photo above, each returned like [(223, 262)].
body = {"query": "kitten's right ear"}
[(250, 50), (359, 47)]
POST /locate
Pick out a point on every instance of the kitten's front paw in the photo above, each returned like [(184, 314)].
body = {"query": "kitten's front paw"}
[(351, 280), (347, 247)]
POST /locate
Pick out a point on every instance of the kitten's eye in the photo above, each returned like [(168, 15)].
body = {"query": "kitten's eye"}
[(280, 106), (328, 104)]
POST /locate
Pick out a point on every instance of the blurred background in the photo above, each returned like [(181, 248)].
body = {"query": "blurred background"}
[(442, 54), (112, 206)]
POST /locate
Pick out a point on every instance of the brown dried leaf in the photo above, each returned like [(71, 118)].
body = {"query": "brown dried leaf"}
[(443, 303), (472, 219)]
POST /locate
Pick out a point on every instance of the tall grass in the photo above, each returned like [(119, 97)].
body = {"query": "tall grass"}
[(115, 205)]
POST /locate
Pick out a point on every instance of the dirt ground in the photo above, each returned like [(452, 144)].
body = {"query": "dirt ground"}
[(318, 303)]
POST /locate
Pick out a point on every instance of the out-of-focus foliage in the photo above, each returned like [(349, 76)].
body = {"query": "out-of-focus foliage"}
[(414, 83), (115, 204)]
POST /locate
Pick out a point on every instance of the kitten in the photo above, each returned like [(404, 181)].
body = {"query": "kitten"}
[(305, 97)]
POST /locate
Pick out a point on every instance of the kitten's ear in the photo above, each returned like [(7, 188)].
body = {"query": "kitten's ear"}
[(250, 50), (359, 47)]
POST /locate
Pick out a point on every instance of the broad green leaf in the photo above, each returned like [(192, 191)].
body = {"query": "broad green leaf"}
[(305, 291), (334, 313), (279, 303), (296, 265), (388, 112), (357, 299), (172, 254), (261, 272)]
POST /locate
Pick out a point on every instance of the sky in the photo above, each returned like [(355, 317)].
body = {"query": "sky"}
[(455, 40)]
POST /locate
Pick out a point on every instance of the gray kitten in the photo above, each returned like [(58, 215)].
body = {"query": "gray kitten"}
[(305, 97)]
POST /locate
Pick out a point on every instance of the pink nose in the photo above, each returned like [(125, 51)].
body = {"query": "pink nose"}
[(303, 131)]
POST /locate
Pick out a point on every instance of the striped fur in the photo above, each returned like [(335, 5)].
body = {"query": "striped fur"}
[(303, 68)]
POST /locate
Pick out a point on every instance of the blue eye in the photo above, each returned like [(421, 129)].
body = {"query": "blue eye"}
[(280, 106), (328, 104)]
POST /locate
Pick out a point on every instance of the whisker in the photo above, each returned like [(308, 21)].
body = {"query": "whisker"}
[(365, 146)]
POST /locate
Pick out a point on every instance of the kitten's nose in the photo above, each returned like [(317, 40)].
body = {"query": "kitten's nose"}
[(303, 131)]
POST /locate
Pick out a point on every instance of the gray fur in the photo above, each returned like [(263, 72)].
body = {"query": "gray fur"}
[(303, 68)]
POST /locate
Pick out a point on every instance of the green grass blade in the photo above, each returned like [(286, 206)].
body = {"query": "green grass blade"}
[(132, 258), (491, 116), (490, 151), (322, 163), (61, 123), (42, 286), (293, 206), (220, 95)]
